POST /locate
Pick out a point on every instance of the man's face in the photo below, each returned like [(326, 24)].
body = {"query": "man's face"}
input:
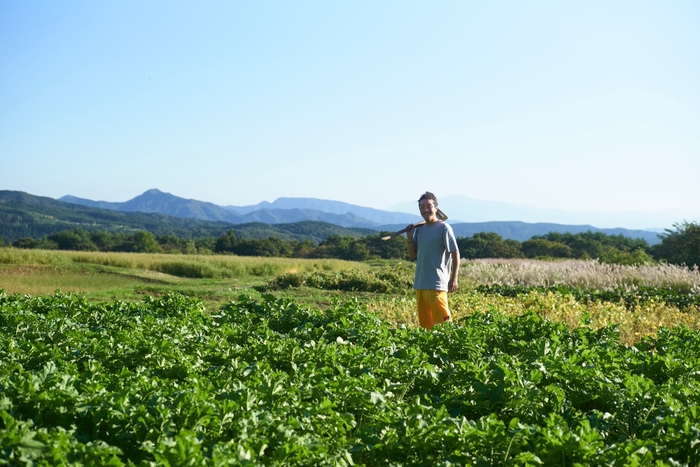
[(428, 209)]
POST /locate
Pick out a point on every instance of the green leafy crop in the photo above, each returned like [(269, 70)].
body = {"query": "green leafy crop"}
[(269, 382)]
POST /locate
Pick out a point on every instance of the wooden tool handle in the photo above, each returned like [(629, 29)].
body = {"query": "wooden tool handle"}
[(440, 215), (399, 232)]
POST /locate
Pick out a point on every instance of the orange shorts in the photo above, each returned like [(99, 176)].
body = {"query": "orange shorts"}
[(432, 307)]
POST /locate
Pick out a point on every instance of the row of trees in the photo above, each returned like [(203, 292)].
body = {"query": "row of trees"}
[(335, 246), (585, 245), (139, 242), (679, 246)]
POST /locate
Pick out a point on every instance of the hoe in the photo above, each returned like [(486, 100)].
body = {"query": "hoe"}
[(440, 215)]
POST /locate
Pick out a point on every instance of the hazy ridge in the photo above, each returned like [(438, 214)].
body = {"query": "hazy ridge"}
[(165, 214)]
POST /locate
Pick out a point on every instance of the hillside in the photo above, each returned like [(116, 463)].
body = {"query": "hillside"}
[(25, 215), (283, 210), (155, 201), (375, 216)]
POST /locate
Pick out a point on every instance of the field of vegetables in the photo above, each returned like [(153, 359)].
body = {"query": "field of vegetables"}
[(269, 381)]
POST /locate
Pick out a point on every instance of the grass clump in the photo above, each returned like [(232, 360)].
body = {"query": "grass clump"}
[(189, 269), (383, 280)]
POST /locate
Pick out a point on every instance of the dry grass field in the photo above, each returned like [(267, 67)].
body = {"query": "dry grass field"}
[(217, 280)]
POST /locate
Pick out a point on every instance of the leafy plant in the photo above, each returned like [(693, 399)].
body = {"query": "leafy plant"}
[(271, 382)]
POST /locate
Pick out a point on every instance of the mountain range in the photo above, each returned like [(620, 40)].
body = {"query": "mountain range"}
[(283, 210), (467, 209), (25, 215), (292, 210)]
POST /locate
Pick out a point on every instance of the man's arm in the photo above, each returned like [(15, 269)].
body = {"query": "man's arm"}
[(409, 242), (452, 285)]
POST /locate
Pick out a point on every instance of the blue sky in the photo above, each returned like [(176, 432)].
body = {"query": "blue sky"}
[(580, 106)]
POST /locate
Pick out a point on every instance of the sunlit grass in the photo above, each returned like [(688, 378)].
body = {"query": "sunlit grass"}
[(42, 279), (217, 280), (219, 265), (579, 273), (129, 276)]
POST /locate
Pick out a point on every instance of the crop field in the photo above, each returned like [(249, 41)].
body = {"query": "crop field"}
[(322, 364)]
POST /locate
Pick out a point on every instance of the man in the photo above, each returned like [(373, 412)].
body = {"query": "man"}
[(437, 265)]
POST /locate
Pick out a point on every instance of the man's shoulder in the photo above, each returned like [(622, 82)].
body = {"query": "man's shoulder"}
[(447, 229), (439, 226), (444, 225)]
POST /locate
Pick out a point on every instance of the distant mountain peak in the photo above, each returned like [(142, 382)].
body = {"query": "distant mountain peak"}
[(154, 191)]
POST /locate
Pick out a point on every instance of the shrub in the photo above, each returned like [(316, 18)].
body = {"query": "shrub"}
[(187, 269), (614, 256), (385, 280)]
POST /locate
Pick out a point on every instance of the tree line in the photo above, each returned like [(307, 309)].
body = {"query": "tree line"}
[(678, 246)]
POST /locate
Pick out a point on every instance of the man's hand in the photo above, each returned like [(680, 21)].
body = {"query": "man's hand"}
[(452, 285), (409, 230)]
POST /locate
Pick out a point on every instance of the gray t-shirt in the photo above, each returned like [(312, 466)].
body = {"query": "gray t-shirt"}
[(433, 243)]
